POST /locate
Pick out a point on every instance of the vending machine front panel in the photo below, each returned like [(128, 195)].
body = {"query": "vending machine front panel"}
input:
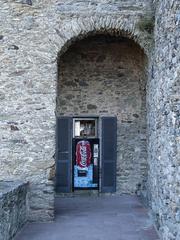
[(85, 163)]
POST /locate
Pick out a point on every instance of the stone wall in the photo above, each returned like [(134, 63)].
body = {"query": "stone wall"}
[(13, 208), (163, 120), (105, 75), (32, 33)]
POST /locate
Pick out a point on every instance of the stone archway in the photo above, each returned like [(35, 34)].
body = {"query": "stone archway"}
[(36, 70), (61, 37), (79, 28), (75, 78)]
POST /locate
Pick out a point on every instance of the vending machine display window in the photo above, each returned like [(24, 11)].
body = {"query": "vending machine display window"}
[(85, 154), (85, 128)]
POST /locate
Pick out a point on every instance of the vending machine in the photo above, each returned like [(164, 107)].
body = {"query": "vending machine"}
[(85, 154)]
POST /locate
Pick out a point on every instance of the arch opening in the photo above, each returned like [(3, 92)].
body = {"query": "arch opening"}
[(105, 75)]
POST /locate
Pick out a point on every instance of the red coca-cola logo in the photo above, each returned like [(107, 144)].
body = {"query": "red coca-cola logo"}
[(83, 154)]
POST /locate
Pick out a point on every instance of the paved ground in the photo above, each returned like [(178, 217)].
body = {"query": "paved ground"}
[(94, 218)]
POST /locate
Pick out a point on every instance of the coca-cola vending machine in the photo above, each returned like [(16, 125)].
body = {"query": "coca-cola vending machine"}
[(85, 154)]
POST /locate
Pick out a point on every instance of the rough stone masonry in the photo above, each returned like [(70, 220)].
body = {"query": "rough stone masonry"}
[(164, 120), (13, 208), (33, 35), (105, 75)]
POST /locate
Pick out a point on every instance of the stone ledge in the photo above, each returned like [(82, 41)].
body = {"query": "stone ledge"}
[(13, 207)]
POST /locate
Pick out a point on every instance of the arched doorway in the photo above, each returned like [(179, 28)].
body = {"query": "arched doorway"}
[(104, 75)]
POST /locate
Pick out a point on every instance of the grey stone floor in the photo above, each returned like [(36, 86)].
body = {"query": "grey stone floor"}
[(94, 218)]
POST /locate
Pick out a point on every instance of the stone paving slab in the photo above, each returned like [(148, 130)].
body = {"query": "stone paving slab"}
[(94, 218)]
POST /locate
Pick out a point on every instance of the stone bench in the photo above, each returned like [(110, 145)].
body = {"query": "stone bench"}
[(13, 208)]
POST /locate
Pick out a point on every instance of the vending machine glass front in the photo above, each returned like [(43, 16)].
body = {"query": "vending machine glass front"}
[(85, 154)]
